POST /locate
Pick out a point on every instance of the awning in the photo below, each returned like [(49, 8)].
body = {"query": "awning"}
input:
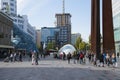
[(6, 46)]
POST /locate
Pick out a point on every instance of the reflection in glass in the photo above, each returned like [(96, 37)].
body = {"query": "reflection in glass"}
[(66, 49)]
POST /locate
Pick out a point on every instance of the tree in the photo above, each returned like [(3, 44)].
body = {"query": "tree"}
[(82, 46), (78, 41)]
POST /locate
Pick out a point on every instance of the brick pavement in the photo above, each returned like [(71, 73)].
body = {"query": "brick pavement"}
[(50, 69)]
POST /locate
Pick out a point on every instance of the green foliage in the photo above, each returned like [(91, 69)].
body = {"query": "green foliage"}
[(82, 46), (78, 41)]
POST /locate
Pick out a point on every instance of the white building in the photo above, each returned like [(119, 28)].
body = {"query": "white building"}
[(10, 7)]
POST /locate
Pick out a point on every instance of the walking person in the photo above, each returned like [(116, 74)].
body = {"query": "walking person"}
[(107, 59), (113, 60), (20, 57), (81, 57), (11, 57), (101, 60), (36, 57), (64, 56), (118, 55), (14, 57), (68, 57), (77, 56), (33, 58), (74, 57), (89, 57)]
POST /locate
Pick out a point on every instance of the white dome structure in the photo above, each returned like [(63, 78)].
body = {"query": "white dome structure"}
[(67, 49)]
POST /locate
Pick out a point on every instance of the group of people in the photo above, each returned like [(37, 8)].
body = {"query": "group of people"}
[(14, 56), (103, 58), (78, 57), (108, 59)]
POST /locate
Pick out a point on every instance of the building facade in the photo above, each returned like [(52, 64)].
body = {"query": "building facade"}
[(63, 22), (49, 34), (6, 26), (117, 39), (10, 7), (116, 21)]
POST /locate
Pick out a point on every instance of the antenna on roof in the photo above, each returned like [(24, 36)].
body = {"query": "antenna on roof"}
[(63, 6)]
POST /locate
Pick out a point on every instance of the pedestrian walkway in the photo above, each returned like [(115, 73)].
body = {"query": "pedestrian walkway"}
[(55, 69)]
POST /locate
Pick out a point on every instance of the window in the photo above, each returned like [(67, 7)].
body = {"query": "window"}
[(15, 20), (1, 35), (11, 4), (5, 3), (12, 9)]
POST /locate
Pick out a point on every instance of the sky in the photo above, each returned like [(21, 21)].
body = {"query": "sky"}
[(41, 13)]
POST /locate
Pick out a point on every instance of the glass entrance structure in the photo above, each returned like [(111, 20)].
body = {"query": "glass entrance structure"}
[(22, 40)]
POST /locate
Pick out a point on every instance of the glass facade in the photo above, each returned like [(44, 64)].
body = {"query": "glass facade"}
[(48, 33), (22, 40), (116, 21), (117, 39)]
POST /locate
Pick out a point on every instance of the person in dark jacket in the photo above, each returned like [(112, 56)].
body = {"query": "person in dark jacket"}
[(102, 59), (69, 57)]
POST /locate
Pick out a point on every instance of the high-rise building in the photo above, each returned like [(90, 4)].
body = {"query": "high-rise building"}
[(63, 22), (116, 21), (63, 19)]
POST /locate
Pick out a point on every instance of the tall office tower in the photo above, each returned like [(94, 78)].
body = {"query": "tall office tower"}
[(9, 6), (64, 23)]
